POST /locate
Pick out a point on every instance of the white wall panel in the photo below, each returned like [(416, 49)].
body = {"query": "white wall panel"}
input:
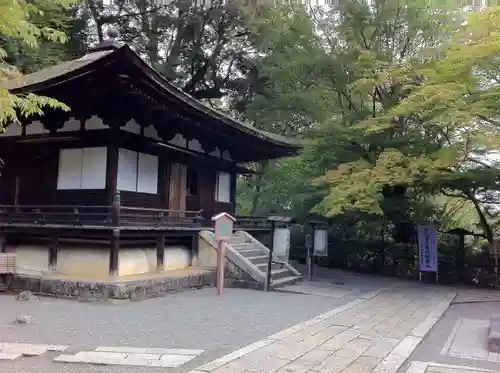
[(147, 177), (94, 168), (70, 169), (127, 170), (223, 189)]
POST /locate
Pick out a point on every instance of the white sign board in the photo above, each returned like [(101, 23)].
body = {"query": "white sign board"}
[(281, 243), (427, 248), (320, 242)]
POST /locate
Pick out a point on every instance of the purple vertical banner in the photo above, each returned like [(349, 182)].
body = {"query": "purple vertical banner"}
[(427, 248)]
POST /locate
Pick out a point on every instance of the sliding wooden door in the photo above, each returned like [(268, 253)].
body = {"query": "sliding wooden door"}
[(177, 187)]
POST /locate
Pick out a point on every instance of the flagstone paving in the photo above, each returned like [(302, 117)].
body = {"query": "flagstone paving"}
[(375, 333), (143, 357), (458, 343)]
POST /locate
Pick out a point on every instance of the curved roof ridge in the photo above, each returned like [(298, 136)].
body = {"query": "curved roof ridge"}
[(60, 73)]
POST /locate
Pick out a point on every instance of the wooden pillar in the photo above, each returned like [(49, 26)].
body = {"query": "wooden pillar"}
[(195, 250), (114, 197), (3, 242), (163, 186), (114, 252), (234, 176), (160, 252), (53, 249)]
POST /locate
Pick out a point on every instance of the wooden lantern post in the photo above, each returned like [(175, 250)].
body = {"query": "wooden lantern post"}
[(223, 233)]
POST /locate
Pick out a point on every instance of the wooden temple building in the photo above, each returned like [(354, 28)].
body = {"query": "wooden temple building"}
[(122, 183)]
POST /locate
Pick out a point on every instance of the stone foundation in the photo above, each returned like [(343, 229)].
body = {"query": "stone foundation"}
[(111, 290)]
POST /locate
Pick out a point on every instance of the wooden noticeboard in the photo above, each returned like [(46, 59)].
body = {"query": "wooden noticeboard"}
[(223, 226)]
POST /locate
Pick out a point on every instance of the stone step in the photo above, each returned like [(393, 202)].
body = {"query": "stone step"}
[(276, 274), (285, 281), (242, 246), (256, 251), (494, 334), (237, 239), (263, 266), (258, 259)]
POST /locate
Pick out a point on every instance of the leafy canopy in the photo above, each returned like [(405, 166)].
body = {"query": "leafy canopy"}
[(18, 22)]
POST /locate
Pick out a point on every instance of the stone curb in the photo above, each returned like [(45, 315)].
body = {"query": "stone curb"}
[(217, 363), (421, 367)]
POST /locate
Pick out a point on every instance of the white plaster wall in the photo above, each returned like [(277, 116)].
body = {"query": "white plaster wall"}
[(35, 128), (132, 126), (133, 262), (91, 263), (83, 262), (177, 258), (152, 133), (71, 125), (95, 123), (13, 129), (195, 144), (31, 259), (178, 140)]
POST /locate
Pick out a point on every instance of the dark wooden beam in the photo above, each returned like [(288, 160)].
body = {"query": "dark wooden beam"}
[(163, 186), (233, 189), (3, 242), (160, 252), (114, 137)]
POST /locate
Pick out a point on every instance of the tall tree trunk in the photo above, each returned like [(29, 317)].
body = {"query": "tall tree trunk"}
[(488, 232)]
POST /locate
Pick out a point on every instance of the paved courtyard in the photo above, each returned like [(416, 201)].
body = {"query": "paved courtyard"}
[(340, 323), (166, 329), (458, 342), (375, 333)]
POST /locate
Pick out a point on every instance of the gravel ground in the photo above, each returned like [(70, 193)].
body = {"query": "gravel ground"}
[(195, 319)]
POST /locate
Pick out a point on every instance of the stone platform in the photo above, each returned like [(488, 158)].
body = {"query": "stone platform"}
[(136, 287)]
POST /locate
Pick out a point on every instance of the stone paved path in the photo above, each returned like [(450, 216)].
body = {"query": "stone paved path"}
[(458, 342), (429, 367), (375, 333)]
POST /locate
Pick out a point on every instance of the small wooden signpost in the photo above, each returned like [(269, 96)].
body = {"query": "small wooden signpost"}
[(223, 233)]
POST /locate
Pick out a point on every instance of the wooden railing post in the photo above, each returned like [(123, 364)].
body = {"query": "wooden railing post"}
[(267, 285), (53, 249), (115, 214), (3, 242), (160, 252)]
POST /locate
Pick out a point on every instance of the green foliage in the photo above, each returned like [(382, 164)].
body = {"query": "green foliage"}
[(19, 23), (399, 102)]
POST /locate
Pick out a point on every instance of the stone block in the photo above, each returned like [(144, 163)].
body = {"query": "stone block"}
[(9, 356), (173, 361), (494, 334), (155, 351)]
